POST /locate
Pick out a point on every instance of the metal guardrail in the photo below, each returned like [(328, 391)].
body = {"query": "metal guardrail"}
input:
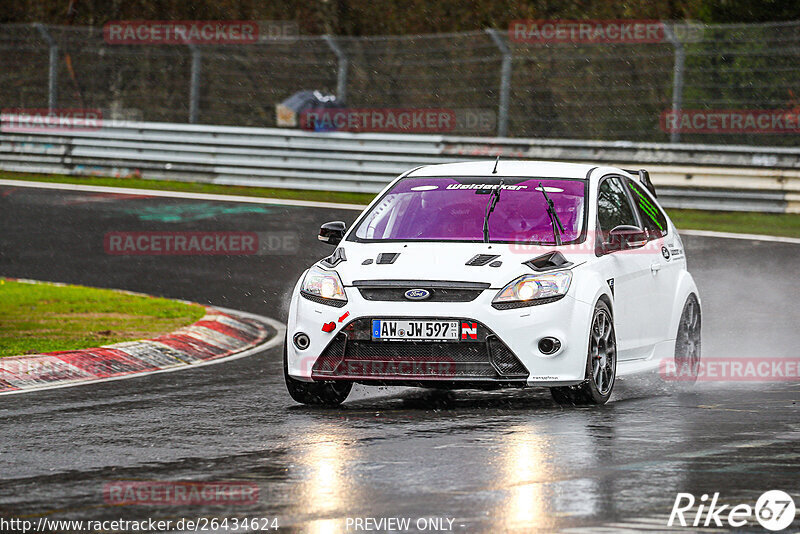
[(709, 177)]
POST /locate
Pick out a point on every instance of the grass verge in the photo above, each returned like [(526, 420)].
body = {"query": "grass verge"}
[(38, 318), (787, 225), (742, 222), (193, 187)]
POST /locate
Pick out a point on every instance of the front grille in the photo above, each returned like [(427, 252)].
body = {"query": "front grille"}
[(391, 294), (504, 360), (440, 290), (353, 355), (332, 355)]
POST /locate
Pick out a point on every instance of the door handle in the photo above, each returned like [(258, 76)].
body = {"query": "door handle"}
[(655, 267)]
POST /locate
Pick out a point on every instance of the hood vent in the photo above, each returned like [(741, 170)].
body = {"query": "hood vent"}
[(481, 259), (548, 262), (334, 259), (385, 258)]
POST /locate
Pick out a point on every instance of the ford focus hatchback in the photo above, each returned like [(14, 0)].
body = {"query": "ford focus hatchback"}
[(493, 275)]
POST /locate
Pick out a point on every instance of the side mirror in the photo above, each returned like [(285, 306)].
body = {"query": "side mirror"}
[(332, 233), (625, 237)]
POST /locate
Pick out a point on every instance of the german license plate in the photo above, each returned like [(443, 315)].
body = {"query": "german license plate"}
[(426, 330)]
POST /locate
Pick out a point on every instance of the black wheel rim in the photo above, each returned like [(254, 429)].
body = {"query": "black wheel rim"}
[(603, 352), (690, 336)]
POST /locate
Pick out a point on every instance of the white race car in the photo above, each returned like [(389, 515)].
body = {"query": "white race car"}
[(496, 274)]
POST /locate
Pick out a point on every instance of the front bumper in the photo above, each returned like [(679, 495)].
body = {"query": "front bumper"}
[(354, 355), (506, 353)]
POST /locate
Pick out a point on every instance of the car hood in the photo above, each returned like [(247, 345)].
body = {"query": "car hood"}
[(496, 264)]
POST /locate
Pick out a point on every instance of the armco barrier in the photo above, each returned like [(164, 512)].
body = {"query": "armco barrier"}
[(713, 177)]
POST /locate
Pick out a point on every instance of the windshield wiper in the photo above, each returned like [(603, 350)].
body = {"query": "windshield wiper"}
[(490, 208), (554, 220)]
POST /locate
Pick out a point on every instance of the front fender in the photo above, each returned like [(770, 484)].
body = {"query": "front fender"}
[(683, 289), (590, 287)]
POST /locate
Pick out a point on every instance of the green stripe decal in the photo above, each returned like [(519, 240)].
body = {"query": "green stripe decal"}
[(647, 207)]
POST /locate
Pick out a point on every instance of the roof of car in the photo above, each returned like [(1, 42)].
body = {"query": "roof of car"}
[(507, 168)]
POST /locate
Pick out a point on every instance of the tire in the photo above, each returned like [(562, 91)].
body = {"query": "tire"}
[(601, 364), (687, 341), (314, 393)]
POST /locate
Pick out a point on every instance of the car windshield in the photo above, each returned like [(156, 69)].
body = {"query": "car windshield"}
[(453, 209)]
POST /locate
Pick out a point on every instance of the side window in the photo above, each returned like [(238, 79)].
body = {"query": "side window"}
[(653, 219), (613, 207)]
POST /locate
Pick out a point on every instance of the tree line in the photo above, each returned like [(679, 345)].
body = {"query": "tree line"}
[(394, 17)]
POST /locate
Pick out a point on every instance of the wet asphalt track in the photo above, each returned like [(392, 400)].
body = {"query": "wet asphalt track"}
[(492, 461)]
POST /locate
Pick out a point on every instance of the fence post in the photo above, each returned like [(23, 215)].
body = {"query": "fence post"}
[(341, 75), (194, 87), (52, 75), (677, 76), (505, 82)]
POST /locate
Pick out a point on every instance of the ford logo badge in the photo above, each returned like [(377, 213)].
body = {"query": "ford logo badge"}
[(417, 294)]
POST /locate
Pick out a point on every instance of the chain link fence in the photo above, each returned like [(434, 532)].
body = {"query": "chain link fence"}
[(550, 90)]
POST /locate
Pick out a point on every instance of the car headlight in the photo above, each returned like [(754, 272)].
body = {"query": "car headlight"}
[(532, 289), (323, 284)]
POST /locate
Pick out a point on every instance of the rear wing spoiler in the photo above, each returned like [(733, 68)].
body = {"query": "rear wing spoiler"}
[(644, 177)]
